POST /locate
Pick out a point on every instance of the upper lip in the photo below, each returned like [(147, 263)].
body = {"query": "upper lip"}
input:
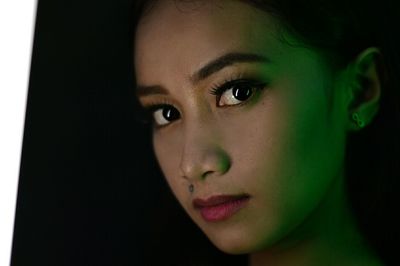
[(216, 200)]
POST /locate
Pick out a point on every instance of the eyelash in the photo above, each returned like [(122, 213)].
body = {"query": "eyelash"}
[(217, 90), (147, 111)]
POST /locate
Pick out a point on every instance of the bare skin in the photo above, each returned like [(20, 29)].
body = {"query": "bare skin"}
[(283, 145)]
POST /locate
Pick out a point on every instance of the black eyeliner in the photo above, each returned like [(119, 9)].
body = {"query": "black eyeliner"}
[(219, 89)]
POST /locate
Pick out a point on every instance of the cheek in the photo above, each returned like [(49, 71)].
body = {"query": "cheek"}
[(287, 160), (304, 149)]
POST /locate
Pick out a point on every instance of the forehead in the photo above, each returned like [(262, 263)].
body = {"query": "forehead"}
[(188, 34)]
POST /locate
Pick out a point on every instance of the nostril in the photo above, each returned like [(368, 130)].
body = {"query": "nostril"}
[(206, 174)]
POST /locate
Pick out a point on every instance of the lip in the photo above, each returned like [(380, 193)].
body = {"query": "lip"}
[(221, 207)]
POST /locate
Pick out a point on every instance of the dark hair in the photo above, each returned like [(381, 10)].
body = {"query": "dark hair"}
[(342, 29)]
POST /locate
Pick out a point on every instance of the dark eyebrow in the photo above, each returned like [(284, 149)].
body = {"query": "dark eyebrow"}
[(142, 91), (207, 70), (224, 61)]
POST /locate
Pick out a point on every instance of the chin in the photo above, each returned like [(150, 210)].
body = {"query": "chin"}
[(233, 248), (233, 243), (244, 240)]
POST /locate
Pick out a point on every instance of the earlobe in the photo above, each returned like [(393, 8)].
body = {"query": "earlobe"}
[(365, 88)]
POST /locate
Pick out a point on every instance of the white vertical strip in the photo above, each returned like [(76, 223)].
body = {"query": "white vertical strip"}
[(17, 20)]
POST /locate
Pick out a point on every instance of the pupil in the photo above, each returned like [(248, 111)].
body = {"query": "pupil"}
[(242, 93), (170, 114)]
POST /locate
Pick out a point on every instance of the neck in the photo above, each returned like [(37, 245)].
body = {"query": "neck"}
[(329, 236)]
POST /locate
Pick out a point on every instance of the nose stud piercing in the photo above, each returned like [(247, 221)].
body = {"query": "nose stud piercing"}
[(356, 118), (191, 188)]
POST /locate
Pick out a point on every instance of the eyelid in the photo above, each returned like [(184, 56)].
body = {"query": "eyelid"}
[(154, 107), (219, 89), (154, 104)]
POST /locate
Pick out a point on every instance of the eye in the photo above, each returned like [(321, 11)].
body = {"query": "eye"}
[(165, 114), (236, 92), (235, 95)]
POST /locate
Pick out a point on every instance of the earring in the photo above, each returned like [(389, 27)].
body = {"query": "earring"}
[(356, 118), (191, 188)]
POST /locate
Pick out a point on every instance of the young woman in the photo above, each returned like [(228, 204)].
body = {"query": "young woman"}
[(266, 116)]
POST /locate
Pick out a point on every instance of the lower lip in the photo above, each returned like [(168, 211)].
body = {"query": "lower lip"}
[(222, 211)]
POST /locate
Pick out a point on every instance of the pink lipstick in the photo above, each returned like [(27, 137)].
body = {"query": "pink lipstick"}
[(218, 208)]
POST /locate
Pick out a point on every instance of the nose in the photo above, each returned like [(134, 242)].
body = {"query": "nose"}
[(202, 156)]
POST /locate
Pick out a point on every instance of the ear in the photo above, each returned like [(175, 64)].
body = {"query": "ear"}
[(364, 88)]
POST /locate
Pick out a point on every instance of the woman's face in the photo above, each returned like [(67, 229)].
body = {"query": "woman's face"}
[(239, 111)]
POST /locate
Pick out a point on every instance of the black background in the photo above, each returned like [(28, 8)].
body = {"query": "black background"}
[(82, 188)]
